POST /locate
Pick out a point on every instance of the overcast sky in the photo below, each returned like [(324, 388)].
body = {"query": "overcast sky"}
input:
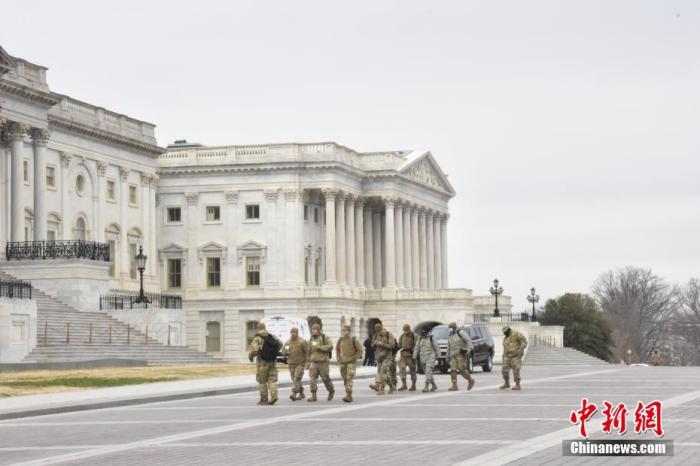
[(570, 130)]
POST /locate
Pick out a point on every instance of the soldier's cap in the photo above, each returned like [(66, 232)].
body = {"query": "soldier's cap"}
[(260, 326), (406, 327), (316, 326), (505, 329)]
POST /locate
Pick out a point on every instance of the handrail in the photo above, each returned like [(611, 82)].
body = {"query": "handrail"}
[(74, 249), (15, 289), (120, 301)]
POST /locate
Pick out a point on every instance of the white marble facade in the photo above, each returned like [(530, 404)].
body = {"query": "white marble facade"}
[(241, 232)]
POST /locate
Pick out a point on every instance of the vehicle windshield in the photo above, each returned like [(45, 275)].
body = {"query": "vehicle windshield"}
[(441, 332)]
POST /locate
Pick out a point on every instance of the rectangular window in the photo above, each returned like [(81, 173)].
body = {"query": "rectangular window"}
[(132, 260), (252, 267), (50, 177), (213, 213), (315, 214), (174, 273), (112, 258), (174, 215), (133, 199), (317, 271), (252, 212), (111, 190), (306, 212), (25, 171), (213, 272), (51, 235), (306, 270)]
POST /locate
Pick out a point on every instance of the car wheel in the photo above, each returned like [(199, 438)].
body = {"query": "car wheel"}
[(488, 367)]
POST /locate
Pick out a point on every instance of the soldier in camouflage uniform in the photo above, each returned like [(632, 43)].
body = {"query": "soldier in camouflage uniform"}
[(426, 351), (514, 344), (407, 343), (384, 343), (321, 348), (347, 351), (266, 371), (656, 358), (459, 344), (297, 351)]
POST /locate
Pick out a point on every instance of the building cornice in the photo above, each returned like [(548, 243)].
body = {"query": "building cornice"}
[(47, 99), (105, 135)]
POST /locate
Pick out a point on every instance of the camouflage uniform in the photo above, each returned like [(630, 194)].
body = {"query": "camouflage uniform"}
[(407, 343), (512, 345), (297, 352), (427, 350), (656, 359), (384, 344), (320, 347), (459, 344), (347, 351), (266, 371)]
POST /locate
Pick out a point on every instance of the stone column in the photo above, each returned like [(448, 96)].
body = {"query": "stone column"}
[(40, 138), (438, 254), (369, 248), (15, 133), (152, 223), (291, 236), (4, 204), (359, 242), (231, 225), (443, 249), (377, 248), (340, 239), (124, 224), (272, 274), (101, 205), (415, 248), (430, 249), (423, 273), (145, 215), (330, 195), (390, 247), (66, 224), (195, 278), (350, 239), (407, 260), (398, 243)]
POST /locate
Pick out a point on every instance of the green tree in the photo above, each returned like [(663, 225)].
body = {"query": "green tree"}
[(585, 328)]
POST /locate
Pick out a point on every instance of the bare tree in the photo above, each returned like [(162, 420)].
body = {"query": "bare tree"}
[(686, 324), (639, 306)]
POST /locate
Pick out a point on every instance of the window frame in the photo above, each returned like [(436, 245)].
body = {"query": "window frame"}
[(112, 198), (51, 187), (257, 219), (218, 272), (248, 261), (136, 195), (167, 215), (169, 274), (25, 171), (206, 214)]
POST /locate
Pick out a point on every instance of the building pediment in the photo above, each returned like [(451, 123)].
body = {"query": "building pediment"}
[(422, 168), (212, 249), (251, 248), (173, 251)]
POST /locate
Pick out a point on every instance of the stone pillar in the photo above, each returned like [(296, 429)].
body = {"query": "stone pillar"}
[(330, 195), (415, 248), (350, 239), (145, 216), (195, 278), (443, 249), (398, 243), (369, 248), (377, 248), (407, 260), (430, 249), (231, 224), (101, 205), (291, 236), (390, 247), (66, 227), (423, 273), (359, 242), (438, 254), (272, 274), (340, 239), (124, 224), (15, 133), (4, 204), (40, 138), (152, 223)]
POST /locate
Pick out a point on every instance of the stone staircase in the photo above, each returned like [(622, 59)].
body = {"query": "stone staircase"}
[(67, 335), (547, 355)]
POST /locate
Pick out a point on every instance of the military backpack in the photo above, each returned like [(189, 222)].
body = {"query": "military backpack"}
[(270, 349)]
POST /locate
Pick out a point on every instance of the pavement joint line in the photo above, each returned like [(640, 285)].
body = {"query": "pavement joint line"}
[(164, 440), (301, 405), (533, 445)]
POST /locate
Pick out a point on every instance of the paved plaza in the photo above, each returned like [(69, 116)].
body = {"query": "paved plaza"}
[(485, 426)]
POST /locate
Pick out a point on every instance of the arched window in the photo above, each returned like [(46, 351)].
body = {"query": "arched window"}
[(80, 229)]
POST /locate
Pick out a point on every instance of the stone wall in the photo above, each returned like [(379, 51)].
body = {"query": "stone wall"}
[(158, 322), (18, 329)]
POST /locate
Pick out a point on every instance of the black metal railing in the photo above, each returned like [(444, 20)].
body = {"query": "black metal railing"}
[(17, 289), (78, 249), (128, 301), (487, 317)]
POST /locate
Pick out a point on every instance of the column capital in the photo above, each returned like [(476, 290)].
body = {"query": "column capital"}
[(329, 193), (123, 173), (192, 198), (15, 131), (66, 159), (421, 210), (341, 196), (40, 136), (271, 195), (360, 202), (390, 201), (231, 197), (291, 194), (351, 198), (146, 179), (102, 168), (444, 217)]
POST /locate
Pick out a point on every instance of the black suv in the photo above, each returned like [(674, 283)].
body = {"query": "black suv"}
[(481, 339)]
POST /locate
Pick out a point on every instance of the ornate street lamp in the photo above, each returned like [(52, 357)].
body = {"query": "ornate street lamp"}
[(533, 298), (141, 265), (496, 291)]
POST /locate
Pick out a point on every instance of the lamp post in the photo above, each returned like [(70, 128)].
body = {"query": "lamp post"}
[(533, 298), (141, 265), (496, 291)]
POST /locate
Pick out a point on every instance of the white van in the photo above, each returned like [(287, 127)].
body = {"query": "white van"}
[(280, 326)]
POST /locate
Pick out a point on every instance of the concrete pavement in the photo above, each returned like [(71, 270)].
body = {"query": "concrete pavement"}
[(485, 426)]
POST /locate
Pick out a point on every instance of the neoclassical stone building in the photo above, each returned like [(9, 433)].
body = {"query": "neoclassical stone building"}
[(239, 232)]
